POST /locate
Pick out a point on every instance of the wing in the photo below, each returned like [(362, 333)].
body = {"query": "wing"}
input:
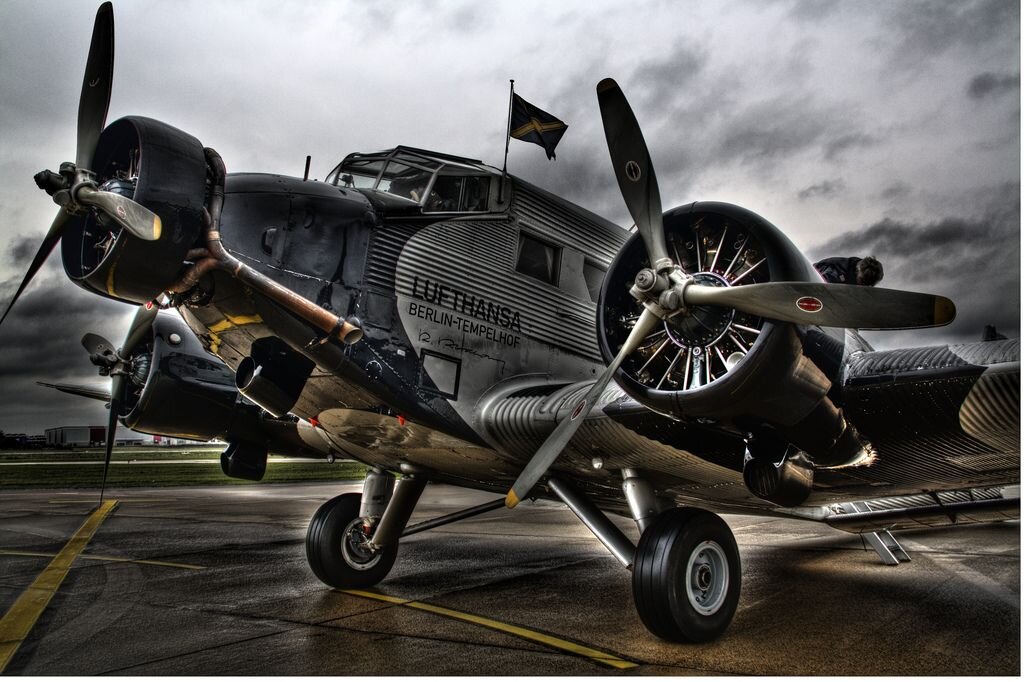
[(938, 418), (943, 418)]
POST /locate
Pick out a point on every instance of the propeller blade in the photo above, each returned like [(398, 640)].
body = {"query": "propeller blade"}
[(829, 305), (101, 352), (116, 389), (140, 325), (633, 168), (82, 391), (49, 241), (131, 215), (563, 433), (95, 98), (97, 345)]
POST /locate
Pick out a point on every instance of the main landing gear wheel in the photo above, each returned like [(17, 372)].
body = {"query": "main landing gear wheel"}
[(686, 576), (336, 546)]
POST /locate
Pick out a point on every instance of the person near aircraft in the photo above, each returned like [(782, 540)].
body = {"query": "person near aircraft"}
[(863, 271)]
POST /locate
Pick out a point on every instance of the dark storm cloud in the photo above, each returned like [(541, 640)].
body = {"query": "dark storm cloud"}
[(668, 77), (40, 338), (974, 260), (21, 250), (897, 190), (772, 129), (835, 147), (926, 28), (824, 189), (424, 19), (992, 85), (814, 10)]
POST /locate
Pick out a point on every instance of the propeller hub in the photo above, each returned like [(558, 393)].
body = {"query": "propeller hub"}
[(701, 326), (646, 281)]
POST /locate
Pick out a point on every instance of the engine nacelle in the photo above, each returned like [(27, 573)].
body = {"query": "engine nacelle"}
[(176, 388), (160, 167), (718, 364)]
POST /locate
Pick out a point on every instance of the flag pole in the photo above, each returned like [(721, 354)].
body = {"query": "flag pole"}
[(508, 134)]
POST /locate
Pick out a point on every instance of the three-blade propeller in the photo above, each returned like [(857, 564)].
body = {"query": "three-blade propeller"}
[(805, 303), (75, 188)]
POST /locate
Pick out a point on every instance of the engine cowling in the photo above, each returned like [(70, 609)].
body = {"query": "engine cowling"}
[(176, 388), (717, 364), (160, 167)]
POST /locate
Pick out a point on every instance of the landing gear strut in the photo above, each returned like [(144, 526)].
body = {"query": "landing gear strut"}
[(686, 576), (352, 540)]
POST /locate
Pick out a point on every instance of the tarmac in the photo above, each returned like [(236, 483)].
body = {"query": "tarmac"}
[(214, 581)]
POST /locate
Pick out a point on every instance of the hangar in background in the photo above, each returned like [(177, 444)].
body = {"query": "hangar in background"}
[(86, 436)]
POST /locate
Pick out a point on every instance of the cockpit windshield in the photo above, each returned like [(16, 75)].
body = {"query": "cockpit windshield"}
[(437, 185)]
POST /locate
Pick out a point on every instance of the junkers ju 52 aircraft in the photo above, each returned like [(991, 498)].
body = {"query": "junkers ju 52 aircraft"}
[(423, 314)]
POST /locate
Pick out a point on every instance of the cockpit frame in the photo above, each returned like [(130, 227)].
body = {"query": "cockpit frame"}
[(436, 183)]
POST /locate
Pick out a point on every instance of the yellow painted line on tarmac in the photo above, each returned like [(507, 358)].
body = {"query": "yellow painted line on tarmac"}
[(19, 620), (112, 559), (601, 657)]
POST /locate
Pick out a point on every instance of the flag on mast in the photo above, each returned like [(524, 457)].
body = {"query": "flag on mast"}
[(531, 124)]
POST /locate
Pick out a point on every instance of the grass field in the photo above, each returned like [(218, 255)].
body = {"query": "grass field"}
[(153, 466)]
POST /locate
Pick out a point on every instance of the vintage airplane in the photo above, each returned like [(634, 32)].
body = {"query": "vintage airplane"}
[(425, 315)]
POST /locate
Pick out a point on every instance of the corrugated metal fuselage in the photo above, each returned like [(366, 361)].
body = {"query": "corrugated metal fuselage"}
[(466, 362)]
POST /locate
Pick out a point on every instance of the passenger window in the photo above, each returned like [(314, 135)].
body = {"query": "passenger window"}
[(538, 259), (594, 274)]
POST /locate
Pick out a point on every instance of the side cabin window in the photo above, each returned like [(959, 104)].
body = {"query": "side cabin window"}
[(594, 276), (538, 259)]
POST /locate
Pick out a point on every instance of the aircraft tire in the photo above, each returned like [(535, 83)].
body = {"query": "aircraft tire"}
[(686, 576), (332, 546)]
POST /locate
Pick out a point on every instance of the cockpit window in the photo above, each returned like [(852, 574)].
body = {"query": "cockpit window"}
[(435, 184), (458, 193)]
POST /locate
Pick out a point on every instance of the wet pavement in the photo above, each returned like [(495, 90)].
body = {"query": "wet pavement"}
[(228, 591)]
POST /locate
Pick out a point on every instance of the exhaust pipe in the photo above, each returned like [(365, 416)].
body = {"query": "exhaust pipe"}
[(273, 376), (216, 256)]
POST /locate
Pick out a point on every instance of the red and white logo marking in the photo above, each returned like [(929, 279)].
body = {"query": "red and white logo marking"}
[(809, 304), (578, 411)]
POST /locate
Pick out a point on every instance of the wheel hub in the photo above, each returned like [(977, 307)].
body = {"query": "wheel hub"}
[(707, 578), (703, 577), (355, 547)]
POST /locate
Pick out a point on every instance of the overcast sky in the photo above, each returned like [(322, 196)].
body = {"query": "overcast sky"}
[(885, 128)]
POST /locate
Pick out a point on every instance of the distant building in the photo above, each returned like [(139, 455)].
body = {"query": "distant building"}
[(167, 441), (14, 440), (76, 436)]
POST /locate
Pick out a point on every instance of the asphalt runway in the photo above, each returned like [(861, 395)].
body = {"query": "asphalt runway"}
[(226, 591)]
